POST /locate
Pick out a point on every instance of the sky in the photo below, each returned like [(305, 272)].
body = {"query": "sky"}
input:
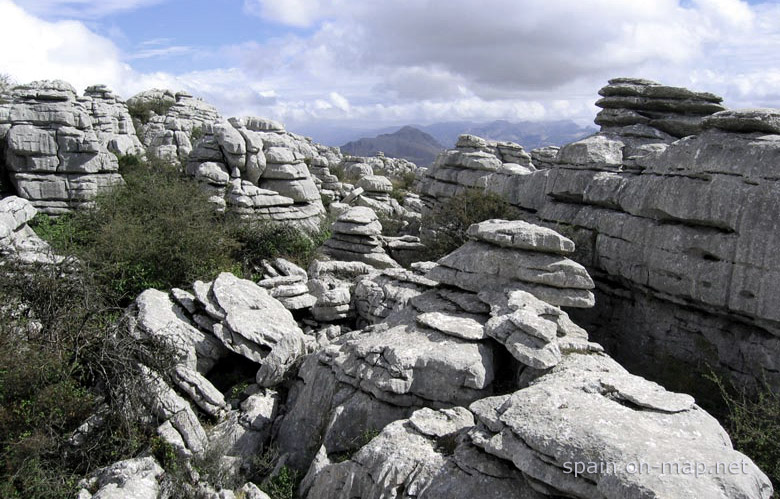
[(376, 63)]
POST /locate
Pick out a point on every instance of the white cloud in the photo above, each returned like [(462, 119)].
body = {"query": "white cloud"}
[(374, 62), (66, 50)]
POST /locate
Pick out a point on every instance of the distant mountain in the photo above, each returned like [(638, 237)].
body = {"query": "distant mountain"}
[(529, 134), (408, 143)]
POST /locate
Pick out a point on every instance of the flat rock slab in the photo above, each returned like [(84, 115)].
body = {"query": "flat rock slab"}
[(521, 235), (460, 326)]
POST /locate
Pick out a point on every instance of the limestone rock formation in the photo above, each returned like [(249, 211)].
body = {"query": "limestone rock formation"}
[(112, 121), (676, 232), (50, 150), (469, 165), (517, 256), (287, 283), (170, 134), (673, 110), (563, 399), (589, 412), (258, 170), (356, 236), (332, 284), (17, 239)]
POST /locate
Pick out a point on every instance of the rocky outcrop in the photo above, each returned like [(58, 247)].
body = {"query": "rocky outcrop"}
[(171, 123), (674, 110), (112, 121), (473, 161), (590, 429), (380, 165), (51, 153), (253, 167), (561, 398), (357, 236), (133, 478), (674, 232), (287, 283), (17, 239)]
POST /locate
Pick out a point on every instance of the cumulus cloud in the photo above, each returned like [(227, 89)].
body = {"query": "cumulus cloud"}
[(376, 62), (67, 50)]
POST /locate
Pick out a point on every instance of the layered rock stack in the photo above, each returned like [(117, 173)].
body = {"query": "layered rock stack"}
[(675, 230), (456, 344), (51, 153), (332, 283), (171, 136), (287, 283), (674, 110), (356, 236), (257, 170), (473, 161), (112, 122), (517, 256)]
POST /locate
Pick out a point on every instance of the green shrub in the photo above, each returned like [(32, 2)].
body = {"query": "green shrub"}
[(261, 240), (753, 423), (156, 231), (64, 354), (284, 484), (143, 110), (196, 134), (444, 228)]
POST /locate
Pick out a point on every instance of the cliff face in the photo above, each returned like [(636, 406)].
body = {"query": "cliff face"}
[(677, 232)]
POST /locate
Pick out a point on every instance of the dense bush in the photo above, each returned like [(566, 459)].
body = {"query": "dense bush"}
[(158, 230), (143, 110), (444, 228), (258, 241), (64, 356)]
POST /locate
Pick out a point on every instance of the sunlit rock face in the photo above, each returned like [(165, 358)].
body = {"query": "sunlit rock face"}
[(674, 208), (52, 155)]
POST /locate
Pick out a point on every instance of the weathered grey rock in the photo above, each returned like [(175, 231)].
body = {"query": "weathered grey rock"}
[(580, 413), (378, 295), (746, 121), (52, 154), (520, 235), (257, 327), (424, 457), (112, 122), (375, 183), (17, 240), (133, 478)]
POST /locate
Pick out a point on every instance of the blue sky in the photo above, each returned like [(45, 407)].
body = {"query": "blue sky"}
[(374, 63)]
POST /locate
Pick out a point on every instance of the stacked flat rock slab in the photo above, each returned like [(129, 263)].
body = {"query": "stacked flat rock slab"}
[(51, 152), (112, 122), (287, 283), (517, 256), (369, 378), (379, 165), (332, 284), (170, 137), (473, 161), (356, 236), (253, 167), (677, 231), (673, 110), (436, 348), (379, 294), (17, 239)]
